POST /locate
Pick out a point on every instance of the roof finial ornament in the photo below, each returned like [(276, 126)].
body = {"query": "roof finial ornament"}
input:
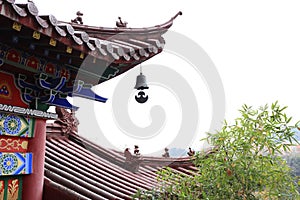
[(132, 163), (179, 13), (78, 19), (128, 155), (136, 150), (191, 152), (166, 154), (120, 23), (67, 119)]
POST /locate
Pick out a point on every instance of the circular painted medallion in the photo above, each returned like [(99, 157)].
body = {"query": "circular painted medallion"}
[(9, 163), (12, 125)]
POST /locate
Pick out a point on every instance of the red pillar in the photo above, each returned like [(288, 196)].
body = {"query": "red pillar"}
[(33, 183)]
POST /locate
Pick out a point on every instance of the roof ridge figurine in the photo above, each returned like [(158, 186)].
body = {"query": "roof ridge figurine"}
[(78, 19), (120, 23), (136, 150), (191, 152), (166, 154), (132, 163)]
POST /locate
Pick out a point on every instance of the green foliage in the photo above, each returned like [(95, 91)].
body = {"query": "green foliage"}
[(244, 164), (293, 160)]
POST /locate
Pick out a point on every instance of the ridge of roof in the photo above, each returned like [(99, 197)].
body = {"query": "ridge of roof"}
[(161, 28), (114, 156), (82, 36)]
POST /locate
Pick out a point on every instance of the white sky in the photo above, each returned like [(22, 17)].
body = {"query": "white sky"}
[(255, 44)]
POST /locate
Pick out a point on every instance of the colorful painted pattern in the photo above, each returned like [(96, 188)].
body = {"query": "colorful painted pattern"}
[(14, 125), (13, 144), (2, 189), (9, 93), (37, 64), (10, 188), (31, 62), (15, 163), (13, 188)]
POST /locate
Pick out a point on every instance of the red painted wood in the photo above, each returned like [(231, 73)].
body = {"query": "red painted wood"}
[(14, 95), (136, 178), (96, 170), (53, 190), (71, 185), (82, 181), (33, 183), (124, 174), (13, 144), (119, 190)]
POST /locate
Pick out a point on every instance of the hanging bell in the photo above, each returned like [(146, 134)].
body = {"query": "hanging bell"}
[(141, 82)]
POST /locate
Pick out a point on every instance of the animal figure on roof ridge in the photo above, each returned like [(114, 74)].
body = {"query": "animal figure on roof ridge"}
[(120, 23), (78, 19)]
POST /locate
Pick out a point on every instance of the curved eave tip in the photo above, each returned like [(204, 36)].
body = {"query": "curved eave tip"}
[(179, 13)]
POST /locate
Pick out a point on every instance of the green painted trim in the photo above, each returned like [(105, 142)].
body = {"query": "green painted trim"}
[(24, 119), (42, 106), (20, 188), (5, 187), (27, 125), (23, 131), (31, 132)]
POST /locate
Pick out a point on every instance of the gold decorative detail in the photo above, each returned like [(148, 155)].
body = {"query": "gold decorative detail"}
[(52, 42), (24, 144), (36, 35), (12, 144), (17, 26), (13, 188), (69, 50), (2, 187), (82, 55)]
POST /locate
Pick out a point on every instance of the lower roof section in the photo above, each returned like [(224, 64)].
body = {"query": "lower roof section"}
[(76, 168)]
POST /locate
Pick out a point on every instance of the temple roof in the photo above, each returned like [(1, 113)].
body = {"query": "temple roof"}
[(119, 48), (77, 168), (52, 59)]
